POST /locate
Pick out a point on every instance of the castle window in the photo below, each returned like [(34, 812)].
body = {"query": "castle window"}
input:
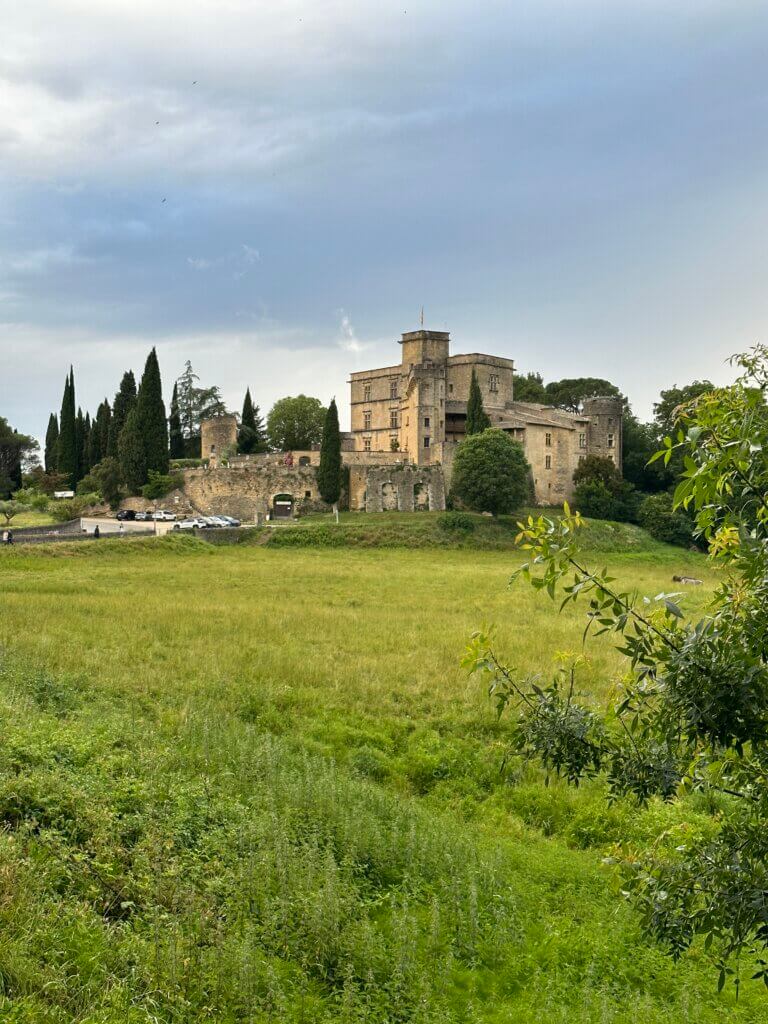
[(213, 449), (393, 418), (366, 392), (367, 419), (610, 440), (582, 440), (450, 389), (548, 462), (366, 444), (426, 421), (493, 382), (426, 442), (548, 440), (393, 389), (307, 494)]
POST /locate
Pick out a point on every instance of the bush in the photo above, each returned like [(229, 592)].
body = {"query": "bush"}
[(592, 498), (602, 494), (663, 523), (63, 511), (160, 484), (32, 498), (187, 463), (490, 473), (453, 521)]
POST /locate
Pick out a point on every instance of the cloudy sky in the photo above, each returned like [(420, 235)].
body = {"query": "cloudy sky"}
[(273, 190)]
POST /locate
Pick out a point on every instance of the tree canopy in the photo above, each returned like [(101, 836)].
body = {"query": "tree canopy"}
[(295, 423), (17, 453), (251, 435), (490, 473), (153, 425)]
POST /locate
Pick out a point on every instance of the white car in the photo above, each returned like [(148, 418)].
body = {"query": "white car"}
[(191, 524), (222, 521), (164, 516)]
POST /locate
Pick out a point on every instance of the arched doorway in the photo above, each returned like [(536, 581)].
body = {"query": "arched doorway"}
[(282, 506), (304, 460), (421, 497), (389, 498)]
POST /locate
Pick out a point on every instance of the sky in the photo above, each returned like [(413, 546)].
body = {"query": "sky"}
[(274, 190)]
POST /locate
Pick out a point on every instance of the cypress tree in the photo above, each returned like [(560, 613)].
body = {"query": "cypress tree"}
[(67, 449), (175, 436), (100, 434), (152, 421), (85, 450), (329, 470), (477, 418), (246, 437), (125, 399), (94, 447), (133, 464), (79, 432), (51, 444)]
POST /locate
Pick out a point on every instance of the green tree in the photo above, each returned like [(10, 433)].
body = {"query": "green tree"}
[(295, 424), (152, 421), (477, 418), (676, 403), (490, 473), (570, 393), (52, 444), (125, 399), (693, 713), (251, 437), (329, 470), (67, 459), (79, 441), (132, 453), (666, 523), (18, 453), (639, 441), (85, 447), (529, 387), (175, 436), (195, 405), (99, 444), (107, 480), (10, 509)]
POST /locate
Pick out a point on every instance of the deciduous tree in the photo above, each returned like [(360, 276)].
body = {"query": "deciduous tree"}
[(490, 473), (295, 423)]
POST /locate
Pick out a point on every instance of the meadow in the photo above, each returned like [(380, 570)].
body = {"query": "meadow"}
[(253, 783)]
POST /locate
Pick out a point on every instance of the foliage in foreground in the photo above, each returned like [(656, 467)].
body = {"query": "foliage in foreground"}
[(694, 716)]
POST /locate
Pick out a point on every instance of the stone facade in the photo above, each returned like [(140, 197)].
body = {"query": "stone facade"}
[(250, 493), (403, 488), (218, 437), (419, 407)]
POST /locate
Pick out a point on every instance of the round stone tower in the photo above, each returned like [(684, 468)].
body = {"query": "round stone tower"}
[(604, 435)]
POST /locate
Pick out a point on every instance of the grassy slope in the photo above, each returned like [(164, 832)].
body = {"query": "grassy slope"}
[(266, 783), (29, 519)]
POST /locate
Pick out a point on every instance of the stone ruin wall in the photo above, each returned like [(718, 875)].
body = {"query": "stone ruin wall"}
[(396, 488)]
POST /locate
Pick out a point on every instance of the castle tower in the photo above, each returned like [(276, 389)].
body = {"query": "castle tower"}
[(419, 347), (604, 433)]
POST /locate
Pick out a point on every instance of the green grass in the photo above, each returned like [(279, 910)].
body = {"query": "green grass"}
[(28, 519), (252, 784)]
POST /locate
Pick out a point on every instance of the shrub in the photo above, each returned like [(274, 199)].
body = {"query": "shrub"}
[(159, 485), (664, 523), (63, 511), (490, 473), (592, 498), (456, 521)]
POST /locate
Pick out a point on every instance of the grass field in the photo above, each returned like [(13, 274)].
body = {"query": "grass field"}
[(28, 519), (252, 784)]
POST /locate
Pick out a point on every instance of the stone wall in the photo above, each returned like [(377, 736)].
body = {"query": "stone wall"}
[(397, 488), (244, 492)]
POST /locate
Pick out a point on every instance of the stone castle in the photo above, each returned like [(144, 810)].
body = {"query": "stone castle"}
[(406, 421)]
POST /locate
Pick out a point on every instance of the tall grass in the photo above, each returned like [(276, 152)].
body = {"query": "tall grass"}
[(252, 785)]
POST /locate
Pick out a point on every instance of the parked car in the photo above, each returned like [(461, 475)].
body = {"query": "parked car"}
[(223, 521), (126, 515), (142, 517), (230, 520), (164, 516), (197, 523)]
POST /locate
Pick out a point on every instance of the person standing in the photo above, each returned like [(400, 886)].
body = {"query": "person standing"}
[(96, 532)]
